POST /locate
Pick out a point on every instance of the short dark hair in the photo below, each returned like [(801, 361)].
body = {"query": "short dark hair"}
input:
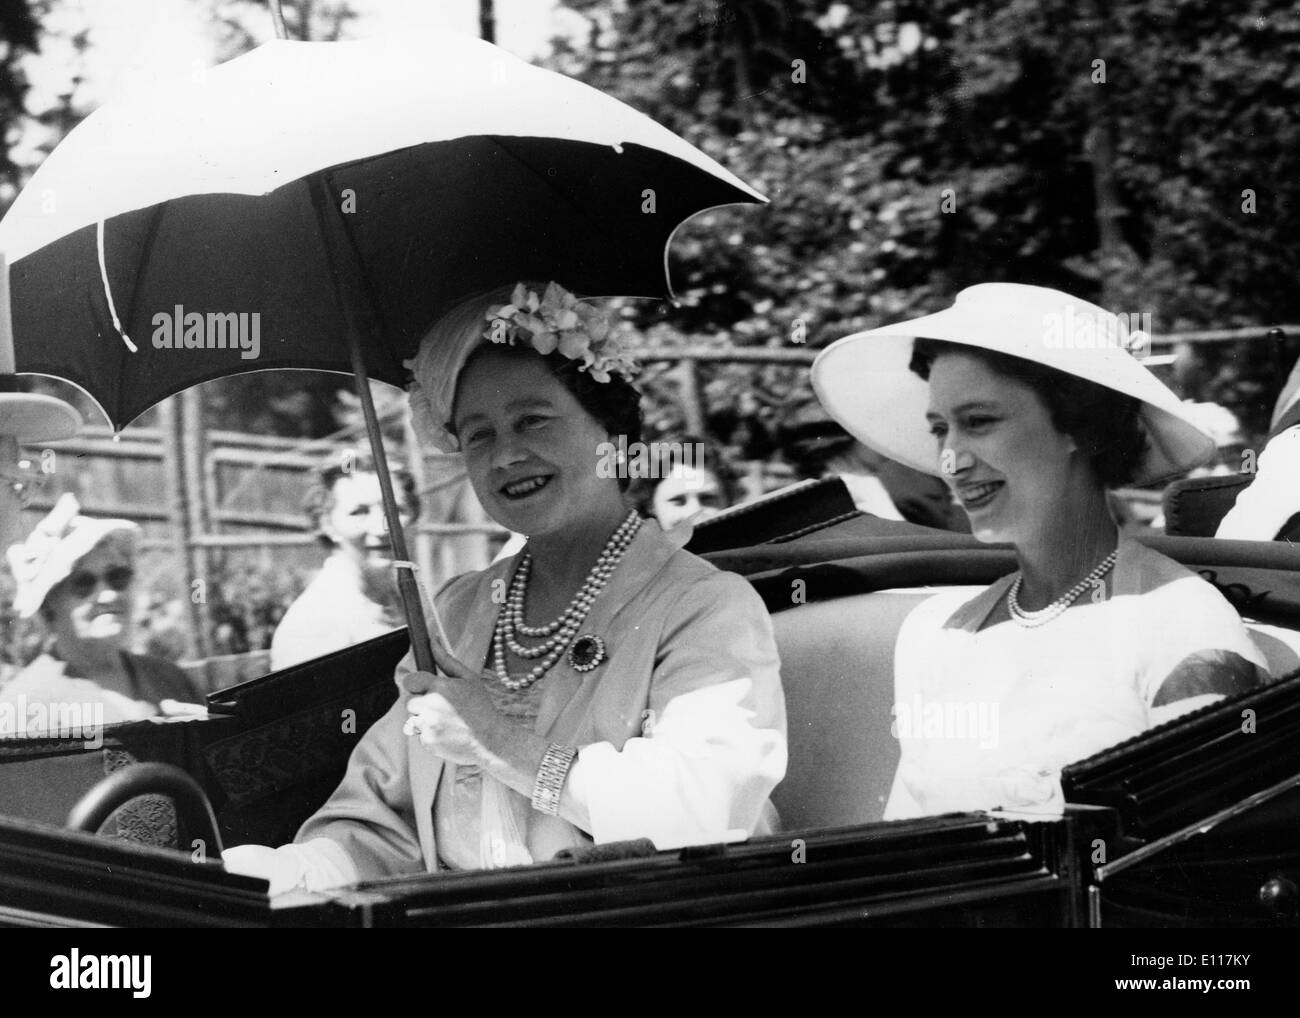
[(711, 461), (616, 404), (320, 496), (1104, 423)]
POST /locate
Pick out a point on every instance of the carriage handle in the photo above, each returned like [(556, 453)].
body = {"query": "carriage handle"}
[(192, 805)]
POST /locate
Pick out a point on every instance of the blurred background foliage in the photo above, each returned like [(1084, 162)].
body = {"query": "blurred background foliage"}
[(1139, 153), (1105, 147)]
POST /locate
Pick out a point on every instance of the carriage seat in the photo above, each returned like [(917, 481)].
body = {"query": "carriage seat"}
[(837, 666)]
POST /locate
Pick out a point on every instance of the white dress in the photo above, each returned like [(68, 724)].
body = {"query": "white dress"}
[(987, 719)]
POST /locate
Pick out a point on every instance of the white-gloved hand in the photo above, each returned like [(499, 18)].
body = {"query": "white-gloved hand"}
[(317, 865), (181, 709), (282, 869), (452, 714)]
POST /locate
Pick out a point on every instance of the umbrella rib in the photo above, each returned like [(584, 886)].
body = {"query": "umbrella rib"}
[(108, 287), (146, 252), (372, 310)]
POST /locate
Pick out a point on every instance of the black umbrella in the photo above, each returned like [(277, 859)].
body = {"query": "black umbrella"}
[(319, 205)]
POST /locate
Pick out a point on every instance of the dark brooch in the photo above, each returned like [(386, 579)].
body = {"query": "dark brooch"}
[(586, 653)]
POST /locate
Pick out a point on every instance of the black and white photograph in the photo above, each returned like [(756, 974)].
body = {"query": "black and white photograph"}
[(651, 463)]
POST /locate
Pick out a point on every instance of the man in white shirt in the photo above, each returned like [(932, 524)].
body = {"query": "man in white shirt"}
[(354, 597), (1270, 505)]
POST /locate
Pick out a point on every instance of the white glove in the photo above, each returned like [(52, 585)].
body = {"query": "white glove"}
[(181, 709), (315, 866), (282, 869)]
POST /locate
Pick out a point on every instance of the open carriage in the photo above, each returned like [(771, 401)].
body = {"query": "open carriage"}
[(1192, 824)]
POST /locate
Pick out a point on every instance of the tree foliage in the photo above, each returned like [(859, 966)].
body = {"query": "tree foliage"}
[(911, 149), (295, 404), (18, 37)]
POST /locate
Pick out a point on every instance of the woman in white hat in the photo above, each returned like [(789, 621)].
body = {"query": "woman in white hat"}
[(76, 573), (1030, 405), (601, 685)]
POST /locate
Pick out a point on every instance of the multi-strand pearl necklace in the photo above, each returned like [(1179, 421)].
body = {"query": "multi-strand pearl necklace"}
[(1045, 615), (559, 632)]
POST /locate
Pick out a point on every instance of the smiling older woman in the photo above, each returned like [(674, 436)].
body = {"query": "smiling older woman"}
[(603, 684), (1028, 404), (76, 573)]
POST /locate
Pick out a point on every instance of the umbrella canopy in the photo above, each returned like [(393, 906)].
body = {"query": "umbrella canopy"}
[(178, 236), (319, 205)]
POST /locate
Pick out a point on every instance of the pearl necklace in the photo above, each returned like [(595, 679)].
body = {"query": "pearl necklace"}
[(1044, 615), (559, 632)]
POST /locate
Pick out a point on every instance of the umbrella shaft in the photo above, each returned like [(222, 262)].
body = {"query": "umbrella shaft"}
[(352, 298), (406, 585)]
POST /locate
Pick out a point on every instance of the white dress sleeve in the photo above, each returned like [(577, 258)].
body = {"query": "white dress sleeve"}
[(1273, 497), (1204, 652), (714, 746)]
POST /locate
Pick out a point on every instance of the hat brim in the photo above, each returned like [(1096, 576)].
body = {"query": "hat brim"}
[(864, 381), (32, 417)]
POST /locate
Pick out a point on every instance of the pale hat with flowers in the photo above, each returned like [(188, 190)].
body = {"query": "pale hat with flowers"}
[(554, 321), (52, 550)]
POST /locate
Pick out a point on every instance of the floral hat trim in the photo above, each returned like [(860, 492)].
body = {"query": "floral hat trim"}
[(557, 320)]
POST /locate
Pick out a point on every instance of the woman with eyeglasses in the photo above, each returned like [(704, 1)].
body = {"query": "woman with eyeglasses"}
[(77, 574)]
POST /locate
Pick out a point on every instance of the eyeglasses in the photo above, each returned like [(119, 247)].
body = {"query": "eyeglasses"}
[(83, 582)]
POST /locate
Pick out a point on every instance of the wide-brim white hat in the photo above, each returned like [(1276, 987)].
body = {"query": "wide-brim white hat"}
[(864, 381), (32, 417), (51, 552)]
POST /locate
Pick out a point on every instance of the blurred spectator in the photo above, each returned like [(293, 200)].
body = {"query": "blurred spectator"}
[(1269, 508), (694, 485), (1223, 424), (354, 597), (817, 447), (76, 573), (229, 631), (163, 622)]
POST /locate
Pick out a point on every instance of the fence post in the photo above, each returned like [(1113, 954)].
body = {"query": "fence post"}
[(688, 373), (174, 471)]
